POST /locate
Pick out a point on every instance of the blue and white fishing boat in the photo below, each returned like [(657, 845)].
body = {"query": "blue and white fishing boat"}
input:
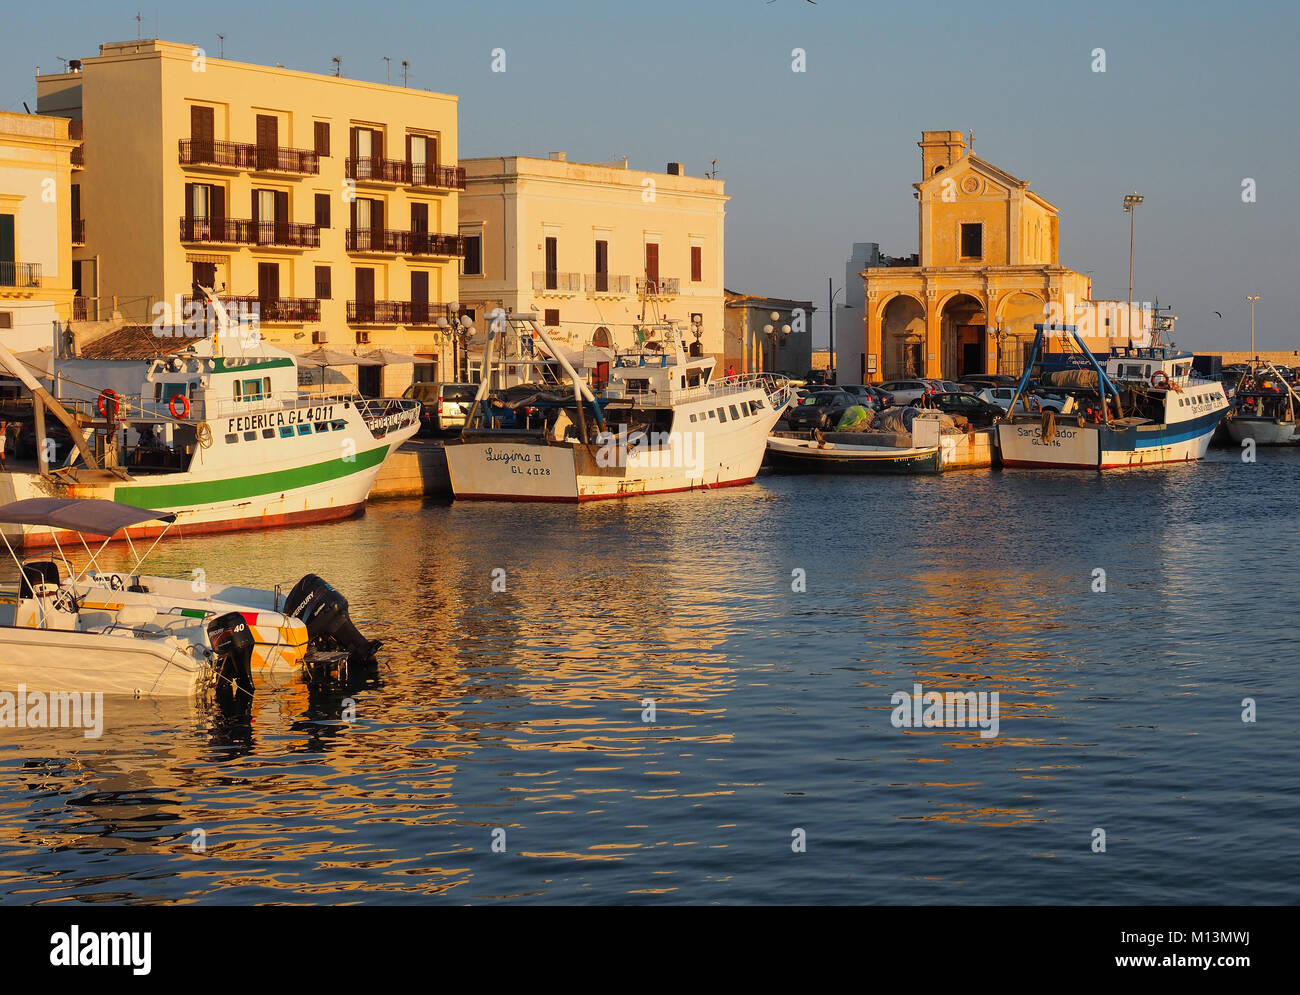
[(1146, 408)]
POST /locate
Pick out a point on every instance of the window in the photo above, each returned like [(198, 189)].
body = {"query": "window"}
[(473, 262), (420, 218), (692, 418), (735, 415), (552, 317), (322, 210), (972, 241), (250, 436), (286, 431), (722, 415), (268, 282), (697, 263), (322, 135), (552, 263), (652, 264), (304, 430), (268, 433), (602, 266), (324, 289), (253, 390), (231, 439)]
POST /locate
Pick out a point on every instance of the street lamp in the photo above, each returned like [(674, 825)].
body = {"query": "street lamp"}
[(1131, 201), (830, 289), (1252, 324), (770, 331)]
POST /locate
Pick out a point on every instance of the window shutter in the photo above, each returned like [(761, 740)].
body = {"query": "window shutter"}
[(376, 215), (322, 210), (408, 148), (189, 200), (352, 217), (377, 143), (255, 214), (322, 130), (218, 202), (281, 207)]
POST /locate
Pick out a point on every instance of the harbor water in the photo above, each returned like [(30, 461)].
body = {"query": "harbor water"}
[(687, 698)]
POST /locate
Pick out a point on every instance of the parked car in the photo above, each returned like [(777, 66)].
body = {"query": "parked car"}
[(979, 413), (1001, 396), (980, 380), (444, 405), (819, 378), (820, 409), (869, 396), (906, 391)]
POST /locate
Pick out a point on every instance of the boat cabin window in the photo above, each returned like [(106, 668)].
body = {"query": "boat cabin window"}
[(164, 392), (231, 439), (304, 430), (322, 426), (693, 378), (722, 415), (339, 425), (268, 433), (712, 415), (250, 436), (253, 390), (286, 431), (637, 386), (692, 418), (734, 413), (758, 404)]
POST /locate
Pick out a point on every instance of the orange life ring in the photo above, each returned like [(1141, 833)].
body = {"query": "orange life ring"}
[(184, 412), (1164, 379), (107, 397)]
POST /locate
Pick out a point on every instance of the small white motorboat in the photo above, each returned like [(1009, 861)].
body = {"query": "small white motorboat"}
[(49, 644)]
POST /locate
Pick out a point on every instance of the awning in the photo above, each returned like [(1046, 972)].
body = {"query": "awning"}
[(98, 518), (38, 362), (389, 358), (327, 357)]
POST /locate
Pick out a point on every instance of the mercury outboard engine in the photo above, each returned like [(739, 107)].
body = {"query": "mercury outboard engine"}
[(232, 651), (325, 613)]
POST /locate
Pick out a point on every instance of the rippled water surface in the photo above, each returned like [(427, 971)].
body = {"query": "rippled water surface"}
[(523, 710)]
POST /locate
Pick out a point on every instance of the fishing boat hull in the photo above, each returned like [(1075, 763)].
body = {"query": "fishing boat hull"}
[(497, 469), (51, 661), (330, 481), (807, 456), (1024, 444), (1265, 431)]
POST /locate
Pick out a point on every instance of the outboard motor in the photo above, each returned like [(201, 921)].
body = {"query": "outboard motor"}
[(325, 613), (232, 649)]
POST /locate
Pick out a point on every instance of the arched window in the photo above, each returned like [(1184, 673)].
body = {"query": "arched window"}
[(696, 349), (601, 339)]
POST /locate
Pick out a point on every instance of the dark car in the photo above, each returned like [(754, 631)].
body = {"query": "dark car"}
[(869, 396), (978, 380), (818, 378), (978, 413), (820, 409)]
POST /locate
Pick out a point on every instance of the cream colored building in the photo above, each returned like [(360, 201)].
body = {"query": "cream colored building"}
[(768, 335), (36, 227), (987, 270), (595, 249), (327, 204)]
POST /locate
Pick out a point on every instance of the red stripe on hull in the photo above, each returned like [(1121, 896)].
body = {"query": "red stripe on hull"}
[(531, 498), (45, 540), (1035, 465)]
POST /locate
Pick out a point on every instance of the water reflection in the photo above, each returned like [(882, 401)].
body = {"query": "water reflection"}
[(525, 710)]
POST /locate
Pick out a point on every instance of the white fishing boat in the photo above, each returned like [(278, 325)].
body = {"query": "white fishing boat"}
[(219, 435), (49, 644), (661, 423), (1145, 408)]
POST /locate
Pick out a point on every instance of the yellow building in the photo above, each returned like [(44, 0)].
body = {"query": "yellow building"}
[(595, 249), (36, 229), (326, 205), (987, 270)]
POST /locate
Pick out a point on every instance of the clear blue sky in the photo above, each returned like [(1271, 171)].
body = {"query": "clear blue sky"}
[(1195, 98)]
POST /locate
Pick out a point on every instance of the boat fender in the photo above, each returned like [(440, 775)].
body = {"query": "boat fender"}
[(107, 404), (184, 404)]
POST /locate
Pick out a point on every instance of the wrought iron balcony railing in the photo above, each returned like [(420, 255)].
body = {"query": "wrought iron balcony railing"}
[(256, 158), (243, 231)]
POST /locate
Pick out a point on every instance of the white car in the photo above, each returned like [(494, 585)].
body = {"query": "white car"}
[(1001, 396), (906, 391)]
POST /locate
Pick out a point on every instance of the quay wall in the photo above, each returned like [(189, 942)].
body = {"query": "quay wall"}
[(418, 469)]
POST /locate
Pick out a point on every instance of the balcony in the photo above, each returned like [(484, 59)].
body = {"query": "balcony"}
[(368, 169), (78, 231), (19, 274), (665, 286), (553, 281), (257, 159), (604, 283), (415, 313), (430, 176), (391, 241), (269, 311), (78, 154), (242, 231)]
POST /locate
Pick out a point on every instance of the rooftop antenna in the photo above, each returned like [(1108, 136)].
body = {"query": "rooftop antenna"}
[(221, 39), (338, 65), (64, 61), (405, 66), (137, 25), (713, 173), (388, 70)]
